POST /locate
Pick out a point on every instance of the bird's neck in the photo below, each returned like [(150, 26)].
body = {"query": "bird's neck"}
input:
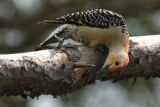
[(120, 45), (126, 51), (126, 45)]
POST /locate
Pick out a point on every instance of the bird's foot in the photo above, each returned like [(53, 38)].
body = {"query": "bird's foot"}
[(101, 48), (60, 40)]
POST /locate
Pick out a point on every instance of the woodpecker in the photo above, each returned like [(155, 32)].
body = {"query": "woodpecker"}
[(95, 27)]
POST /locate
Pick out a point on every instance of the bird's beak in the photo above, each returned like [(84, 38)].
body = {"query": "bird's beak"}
[(103, 69)]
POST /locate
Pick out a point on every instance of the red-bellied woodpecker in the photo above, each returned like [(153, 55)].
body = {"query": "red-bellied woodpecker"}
[(95, 27)]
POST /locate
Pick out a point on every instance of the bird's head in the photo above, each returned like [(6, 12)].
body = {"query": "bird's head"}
[(115, 63)]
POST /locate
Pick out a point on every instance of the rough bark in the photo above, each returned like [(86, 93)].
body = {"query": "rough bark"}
[(59, 72)]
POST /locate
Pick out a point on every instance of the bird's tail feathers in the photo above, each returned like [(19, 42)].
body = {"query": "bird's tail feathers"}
[(51, 21)]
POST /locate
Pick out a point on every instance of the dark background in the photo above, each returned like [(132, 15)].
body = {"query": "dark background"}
[(19, 32)]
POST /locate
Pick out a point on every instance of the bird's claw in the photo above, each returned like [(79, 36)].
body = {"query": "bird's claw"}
[(101, 48)]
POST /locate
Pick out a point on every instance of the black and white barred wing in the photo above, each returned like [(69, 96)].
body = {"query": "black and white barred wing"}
[(100, 18)]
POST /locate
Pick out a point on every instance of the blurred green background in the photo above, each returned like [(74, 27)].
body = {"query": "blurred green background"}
[(19, 32)]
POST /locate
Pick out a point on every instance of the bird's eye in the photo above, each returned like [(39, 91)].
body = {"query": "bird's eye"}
[(117, 63)]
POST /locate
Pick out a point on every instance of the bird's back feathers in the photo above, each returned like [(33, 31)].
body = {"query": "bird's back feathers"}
[(100, 18)]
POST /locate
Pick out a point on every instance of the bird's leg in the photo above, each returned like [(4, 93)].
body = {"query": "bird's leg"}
[(46, 46), (60, 40)]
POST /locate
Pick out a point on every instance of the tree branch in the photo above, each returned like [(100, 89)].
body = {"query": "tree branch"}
[(59, 72)]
